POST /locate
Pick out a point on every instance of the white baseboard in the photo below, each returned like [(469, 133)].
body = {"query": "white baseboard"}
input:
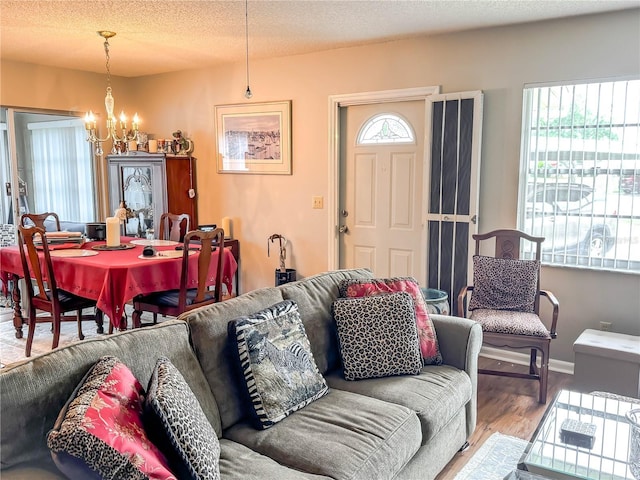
[(523, 359)]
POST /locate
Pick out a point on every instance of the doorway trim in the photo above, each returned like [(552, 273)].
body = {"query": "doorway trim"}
[(346, 100)]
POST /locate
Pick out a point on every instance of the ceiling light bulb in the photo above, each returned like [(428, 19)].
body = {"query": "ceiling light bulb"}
[(248, 93)]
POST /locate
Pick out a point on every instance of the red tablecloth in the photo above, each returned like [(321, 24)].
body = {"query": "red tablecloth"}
[(114, 277)]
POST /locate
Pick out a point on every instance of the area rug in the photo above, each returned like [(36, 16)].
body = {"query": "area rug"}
[(498, 456)]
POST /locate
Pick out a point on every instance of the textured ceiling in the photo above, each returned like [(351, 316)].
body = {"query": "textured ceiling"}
[(156, 36)]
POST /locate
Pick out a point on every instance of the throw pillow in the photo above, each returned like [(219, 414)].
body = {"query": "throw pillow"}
[(426, 331), (280, 373), (175, 418), (504, 284), (378, 336), (99, 433)]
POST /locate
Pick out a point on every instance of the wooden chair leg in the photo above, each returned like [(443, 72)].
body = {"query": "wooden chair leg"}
[(135, 319), (544, 374), (532, 362), (79, 317), (99, 321), (32, 330), (55, 318)]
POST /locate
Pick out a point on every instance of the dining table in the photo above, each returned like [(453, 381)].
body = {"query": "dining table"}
[(113, 276)]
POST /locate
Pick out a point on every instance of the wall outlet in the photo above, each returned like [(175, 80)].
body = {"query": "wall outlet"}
[(317, 202), (605, 326)]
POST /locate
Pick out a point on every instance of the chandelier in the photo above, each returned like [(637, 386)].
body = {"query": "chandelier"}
[(112, 123)]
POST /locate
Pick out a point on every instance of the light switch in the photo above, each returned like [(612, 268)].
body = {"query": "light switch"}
[(318, 202)]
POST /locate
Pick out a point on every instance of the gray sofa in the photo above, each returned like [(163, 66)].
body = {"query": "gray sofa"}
[(402, 427)]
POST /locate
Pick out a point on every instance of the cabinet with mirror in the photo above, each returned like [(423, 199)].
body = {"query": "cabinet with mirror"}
[(151, 184)]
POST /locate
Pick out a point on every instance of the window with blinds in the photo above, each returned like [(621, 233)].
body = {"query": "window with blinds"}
[(580, 173)]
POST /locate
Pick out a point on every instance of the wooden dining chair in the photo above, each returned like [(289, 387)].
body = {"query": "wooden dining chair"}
[(505, 300), (175, 302), (48, 297), (174, 226), (38, 220)]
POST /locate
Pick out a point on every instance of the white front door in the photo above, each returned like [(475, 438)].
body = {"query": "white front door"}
[(381, 189)]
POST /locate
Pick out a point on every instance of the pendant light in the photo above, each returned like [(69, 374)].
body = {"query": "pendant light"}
[(247, 92)]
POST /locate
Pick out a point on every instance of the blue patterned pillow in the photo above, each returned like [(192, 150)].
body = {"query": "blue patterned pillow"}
[(280, 373), (174, 418)]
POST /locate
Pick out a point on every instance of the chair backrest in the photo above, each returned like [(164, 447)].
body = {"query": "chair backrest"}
[(174, 226), (508, 245), (36, 267), (209, 242), (38, 219)]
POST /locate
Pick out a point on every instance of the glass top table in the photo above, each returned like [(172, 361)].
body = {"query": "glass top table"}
[(607, 459)]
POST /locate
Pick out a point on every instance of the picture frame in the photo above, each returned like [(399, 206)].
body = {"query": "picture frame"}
[(254, 138)]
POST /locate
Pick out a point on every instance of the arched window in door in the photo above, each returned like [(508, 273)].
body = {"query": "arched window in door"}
[(386, 128)]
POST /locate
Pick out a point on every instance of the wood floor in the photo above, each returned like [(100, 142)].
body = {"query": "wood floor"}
[(506, 405)]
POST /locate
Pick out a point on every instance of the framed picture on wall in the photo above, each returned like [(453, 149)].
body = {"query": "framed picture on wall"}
[(254, 138)]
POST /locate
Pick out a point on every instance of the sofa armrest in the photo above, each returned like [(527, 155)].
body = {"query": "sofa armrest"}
[(460, 340)]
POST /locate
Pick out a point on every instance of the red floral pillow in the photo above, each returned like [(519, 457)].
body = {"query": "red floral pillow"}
[(99, 432), (426, 332)]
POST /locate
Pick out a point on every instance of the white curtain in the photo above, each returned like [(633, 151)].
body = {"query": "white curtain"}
[(5, 203), (62, 170)]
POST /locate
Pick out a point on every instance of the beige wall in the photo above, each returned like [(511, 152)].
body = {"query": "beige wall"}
[(498, 61)]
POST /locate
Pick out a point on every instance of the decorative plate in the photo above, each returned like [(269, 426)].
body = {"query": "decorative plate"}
[(73, 252), (154, 243), (122, 246)]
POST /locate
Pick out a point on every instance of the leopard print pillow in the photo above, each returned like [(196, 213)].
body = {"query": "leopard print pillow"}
[(504, 284), (174, 416), (357, 287), (378, 335)]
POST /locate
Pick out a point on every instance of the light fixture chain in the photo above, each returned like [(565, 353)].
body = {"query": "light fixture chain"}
[(247, 93), (106, 52)]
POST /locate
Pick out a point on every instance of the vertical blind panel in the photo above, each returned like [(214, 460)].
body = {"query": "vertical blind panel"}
[(464, 158), (446, 256), (460, 265), (433, 274), (436, 156), (450, 157)]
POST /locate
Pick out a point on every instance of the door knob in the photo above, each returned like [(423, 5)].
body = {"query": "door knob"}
[(343, 229)]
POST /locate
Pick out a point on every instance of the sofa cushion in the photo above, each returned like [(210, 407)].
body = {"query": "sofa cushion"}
[(341, 435), (504, 284), (209, 336), (238, 462), (314, 296), (100, 434), (426, 332), (177, 424), (275, 357), (378, 336), (50, 378), (436, 395)]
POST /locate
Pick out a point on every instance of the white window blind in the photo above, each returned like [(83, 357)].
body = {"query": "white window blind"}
[(580, 173)]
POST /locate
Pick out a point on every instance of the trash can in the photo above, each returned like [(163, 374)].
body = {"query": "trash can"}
[(285, 277)]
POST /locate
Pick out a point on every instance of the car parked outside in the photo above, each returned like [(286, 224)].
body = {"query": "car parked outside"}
[(630, 183), (570, 218)]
